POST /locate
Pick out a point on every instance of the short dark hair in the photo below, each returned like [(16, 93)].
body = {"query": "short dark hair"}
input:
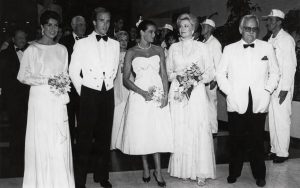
[(99, 10), (47, 15), (143, 26), (173, 35)]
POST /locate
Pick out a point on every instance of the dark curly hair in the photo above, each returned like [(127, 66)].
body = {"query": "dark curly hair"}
[(47, 15)]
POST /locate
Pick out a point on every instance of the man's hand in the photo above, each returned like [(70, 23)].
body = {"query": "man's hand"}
[(212, 84), (282, 96)]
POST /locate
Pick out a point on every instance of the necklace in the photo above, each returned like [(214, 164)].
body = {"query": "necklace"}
[(143, 47)]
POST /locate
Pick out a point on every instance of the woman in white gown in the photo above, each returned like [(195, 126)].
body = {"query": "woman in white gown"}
[(193, 155), (147, 128), (48, 156), (121, 93)]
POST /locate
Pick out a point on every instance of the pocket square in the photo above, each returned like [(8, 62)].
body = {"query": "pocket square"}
[(265, 58)]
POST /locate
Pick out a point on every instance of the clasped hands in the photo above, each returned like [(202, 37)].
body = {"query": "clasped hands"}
[(148, 97)]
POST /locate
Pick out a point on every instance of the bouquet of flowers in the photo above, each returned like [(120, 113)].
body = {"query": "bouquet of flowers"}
[(157, 93), (190, 78), (59, 84)]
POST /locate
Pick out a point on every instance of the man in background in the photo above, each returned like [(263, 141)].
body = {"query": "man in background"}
[(215, 50), (78, 25), (280, 109), (15, 96)]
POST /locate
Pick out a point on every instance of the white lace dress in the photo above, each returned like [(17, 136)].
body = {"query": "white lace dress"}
[(194, 153), (48, 155)]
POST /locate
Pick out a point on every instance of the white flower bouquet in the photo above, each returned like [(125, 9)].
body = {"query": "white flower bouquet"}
[(188, 80), (59, 84), (157, 93)]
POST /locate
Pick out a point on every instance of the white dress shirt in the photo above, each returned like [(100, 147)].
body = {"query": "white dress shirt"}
[(98, 61), (215, 50), (243, 68), (284, 46)]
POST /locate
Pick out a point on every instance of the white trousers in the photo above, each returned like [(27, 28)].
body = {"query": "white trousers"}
[(212, 108), (279, 124)]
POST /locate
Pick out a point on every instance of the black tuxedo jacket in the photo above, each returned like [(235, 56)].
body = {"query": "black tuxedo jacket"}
[(68, 41), (13, 90)]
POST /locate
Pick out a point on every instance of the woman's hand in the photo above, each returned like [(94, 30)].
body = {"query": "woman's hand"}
[(179, 78), (164, 101), (147, 95)]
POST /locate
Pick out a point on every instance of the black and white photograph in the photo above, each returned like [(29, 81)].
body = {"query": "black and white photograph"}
[(149, 93)]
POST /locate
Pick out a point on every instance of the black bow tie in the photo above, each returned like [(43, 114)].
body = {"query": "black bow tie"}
[(20, 49), (99, 37), (247, 45)]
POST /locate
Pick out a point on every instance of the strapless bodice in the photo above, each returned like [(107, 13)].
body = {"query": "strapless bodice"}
[(144, 65)]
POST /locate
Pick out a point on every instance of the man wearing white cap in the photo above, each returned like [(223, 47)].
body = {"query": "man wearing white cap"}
[(281, 101), (165, 30), (215, 49)]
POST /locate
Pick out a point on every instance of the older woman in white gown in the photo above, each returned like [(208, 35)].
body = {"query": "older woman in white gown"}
[(121, 93), (193, 155), (48, 156)]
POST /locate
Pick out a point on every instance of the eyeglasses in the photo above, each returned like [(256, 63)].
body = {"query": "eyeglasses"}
[(253, 29)]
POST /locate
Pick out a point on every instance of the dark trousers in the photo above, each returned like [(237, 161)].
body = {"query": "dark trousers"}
[(95, 124), (73, 115), (246, 136), (17, 114)]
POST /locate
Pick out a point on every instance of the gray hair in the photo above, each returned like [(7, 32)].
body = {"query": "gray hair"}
[(246, 18), (75, 19), (121, 34), (190, 17)]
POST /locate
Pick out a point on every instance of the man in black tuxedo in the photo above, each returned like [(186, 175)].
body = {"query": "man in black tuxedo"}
[(15, 95), (78, 25)]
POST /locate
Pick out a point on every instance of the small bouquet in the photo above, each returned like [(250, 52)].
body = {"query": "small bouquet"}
[(190, 78), (59, 84), (157, 93)]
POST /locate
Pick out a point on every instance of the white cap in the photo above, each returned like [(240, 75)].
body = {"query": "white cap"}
[(168, 26), (276, 13), (209, 22)]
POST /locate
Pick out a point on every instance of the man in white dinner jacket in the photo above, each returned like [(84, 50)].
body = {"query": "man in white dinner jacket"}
[(248, 73), (280, 109), (97, 57), (215, 50)]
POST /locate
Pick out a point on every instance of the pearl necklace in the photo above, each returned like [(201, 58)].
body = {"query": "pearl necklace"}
[(143, 47)]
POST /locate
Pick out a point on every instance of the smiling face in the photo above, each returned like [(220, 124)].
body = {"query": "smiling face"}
[(250, 30), (271, 23), (20, 39), (149, 34), (50, 29), (123, 42), (102, 23), (186, 29)]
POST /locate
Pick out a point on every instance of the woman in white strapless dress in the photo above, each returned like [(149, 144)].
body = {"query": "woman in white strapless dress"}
[(48, 154), (147, 128)]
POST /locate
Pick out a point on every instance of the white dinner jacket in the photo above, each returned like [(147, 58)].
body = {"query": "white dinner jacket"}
[(97, 60), (243, 68)]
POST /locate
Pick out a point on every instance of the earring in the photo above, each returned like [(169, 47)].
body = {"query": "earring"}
[(43, 32)]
